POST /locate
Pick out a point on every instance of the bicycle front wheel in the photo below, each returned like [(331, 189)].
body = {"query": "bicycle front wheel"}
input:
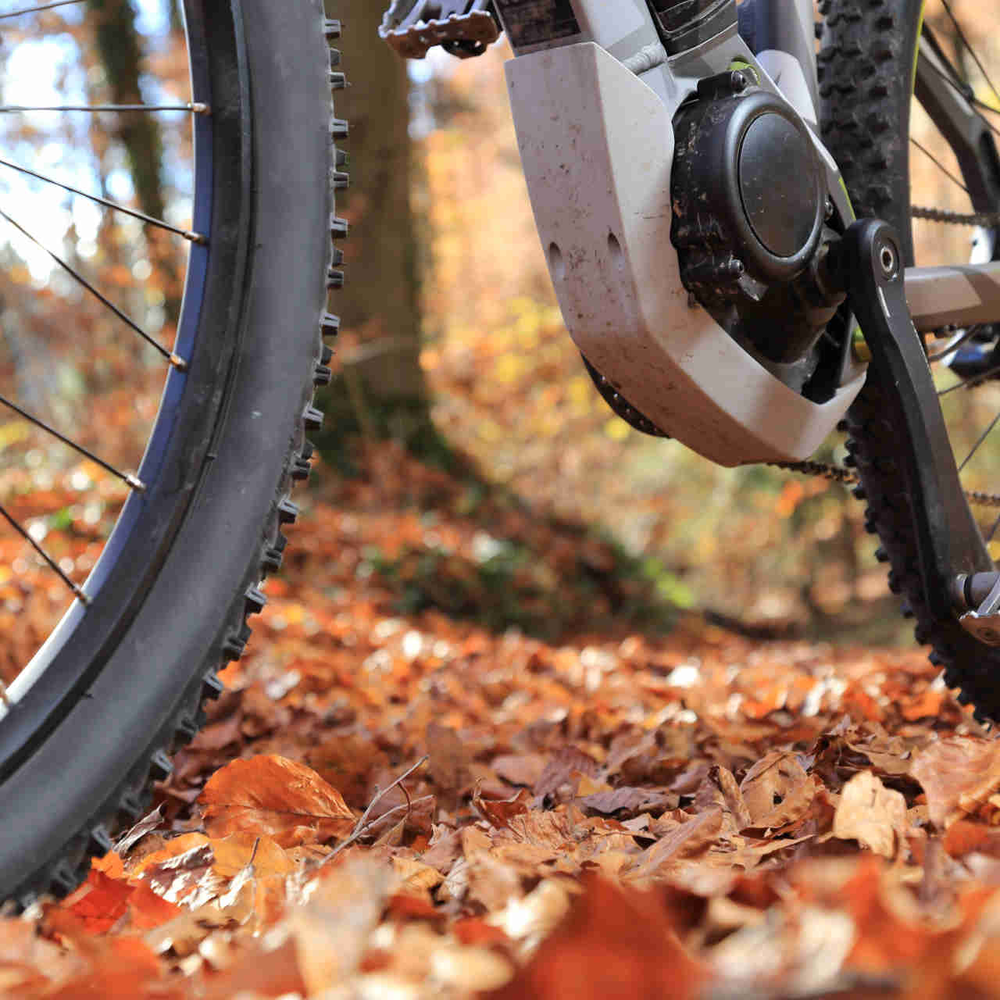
[(87, 726)]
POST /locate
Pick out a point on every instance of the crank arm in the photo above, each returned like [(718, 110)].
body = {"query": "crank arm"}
[(868, 264)]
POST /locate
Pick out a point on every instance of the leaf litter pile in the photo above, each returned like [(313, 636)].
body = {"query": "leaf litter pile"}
[(420, 804)]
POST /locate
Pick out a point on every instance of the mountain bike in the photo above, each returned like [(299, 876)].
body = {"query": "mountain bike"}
[(727, 221), (744, 317), (88, 724)]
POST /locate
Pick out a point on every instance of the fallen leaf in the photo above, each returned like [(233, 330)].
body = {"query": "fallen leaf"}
[(776, 790), (612, 943), (522, 769), (629, 800), (719, 788), (272, 795), (331, 932), (499, 812), (871, 814), (686, 840), (957, 775), (559, 770)]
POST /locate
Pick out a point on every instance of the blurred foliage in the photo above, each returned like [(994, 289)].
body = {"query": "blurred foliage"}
[(511, 391)]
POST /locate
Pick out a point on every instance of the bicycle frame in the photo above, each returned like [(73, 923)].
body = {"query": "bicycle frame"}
[(593, 94)]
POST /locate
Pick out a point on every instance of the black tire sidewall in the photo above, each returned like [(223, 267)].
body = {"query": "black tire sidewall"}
[(104, 743)]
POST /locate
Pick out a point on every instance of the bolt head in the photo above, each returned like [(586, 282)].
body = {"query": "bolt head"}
[(887, 259)]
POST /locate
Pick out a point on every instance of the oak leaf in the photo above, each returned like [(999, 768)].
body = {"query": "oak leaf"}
[(273, 796)]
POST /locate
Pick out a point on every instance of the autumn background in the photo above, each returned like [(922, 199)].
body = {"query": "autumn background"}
[(538, 707)]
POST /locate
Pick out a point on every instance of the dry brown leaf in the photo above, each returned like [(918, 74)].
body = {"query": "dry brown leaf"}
[(629, 800), (448, 759), (559, 770), (520, 769), (277, 797), (686, 840), (444, 849), (499, 812), (871, 814), (416, 876), (719, 788), (957, 775), (332, 931), (777, 791)]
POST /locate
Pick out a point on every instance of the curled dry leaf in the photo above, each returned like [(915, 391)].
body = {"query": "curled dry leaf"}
[(958, 775), (871, 814), (499, 812), (272, 795), (719, 788), (777, 791)]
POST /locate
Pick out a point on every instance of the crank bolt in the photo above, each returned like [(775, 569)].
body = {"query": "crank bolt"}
[(828, 209), (887, 259)]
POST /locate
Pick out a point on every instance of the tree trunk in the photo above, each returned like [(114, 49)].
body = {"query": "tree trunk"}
[(121, 55), (381, 390)]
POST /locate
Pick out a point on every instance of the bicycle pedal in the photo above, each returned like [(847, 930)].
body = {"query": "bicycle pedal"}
[(463, 28), (984, 621)]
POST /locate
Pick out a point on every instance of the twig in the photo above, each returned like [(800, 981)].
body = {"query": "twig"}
[(364, 823)]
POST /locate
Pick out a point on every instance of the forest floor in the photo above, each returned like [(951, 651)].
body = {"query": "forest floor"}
[(471, 752)]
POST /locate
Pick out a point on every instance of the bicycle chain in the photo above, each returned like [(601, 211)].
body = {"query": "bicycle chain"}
[(822, 470), (984, 219)]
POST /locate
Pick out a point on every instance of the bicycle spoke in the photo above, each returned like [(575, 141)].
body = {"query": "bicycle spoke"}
[(174, 359), (52, 564), (125, 477), (982, 438), (969, 48), (966, 91), (186, 233), (198, 109), (939, 164), (44, 6), (993, 530), (954, 344)]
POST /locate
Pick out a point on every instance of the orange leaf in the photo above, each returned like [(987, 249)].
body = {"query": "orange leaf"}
[(179, 845), (964, 836), (272, 795), (103, 904), (611, 944), (149, 909), (111, 864)]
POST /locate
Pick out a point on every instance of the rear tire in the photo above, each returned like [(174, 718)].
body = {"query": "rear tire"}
[(866, 67)]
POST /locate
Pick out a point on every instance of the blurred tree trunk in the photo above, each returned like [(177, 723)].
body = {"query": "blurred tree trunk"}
[(121, 55), (120, 48), (381, 391)]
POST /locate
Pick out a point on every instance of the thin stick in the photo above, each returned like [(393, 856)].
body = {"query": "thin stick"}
[(364, 823)]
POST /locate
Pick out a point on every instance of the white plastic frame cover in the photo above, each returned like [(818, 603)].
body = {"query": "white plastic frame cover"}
[(597, 146)]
